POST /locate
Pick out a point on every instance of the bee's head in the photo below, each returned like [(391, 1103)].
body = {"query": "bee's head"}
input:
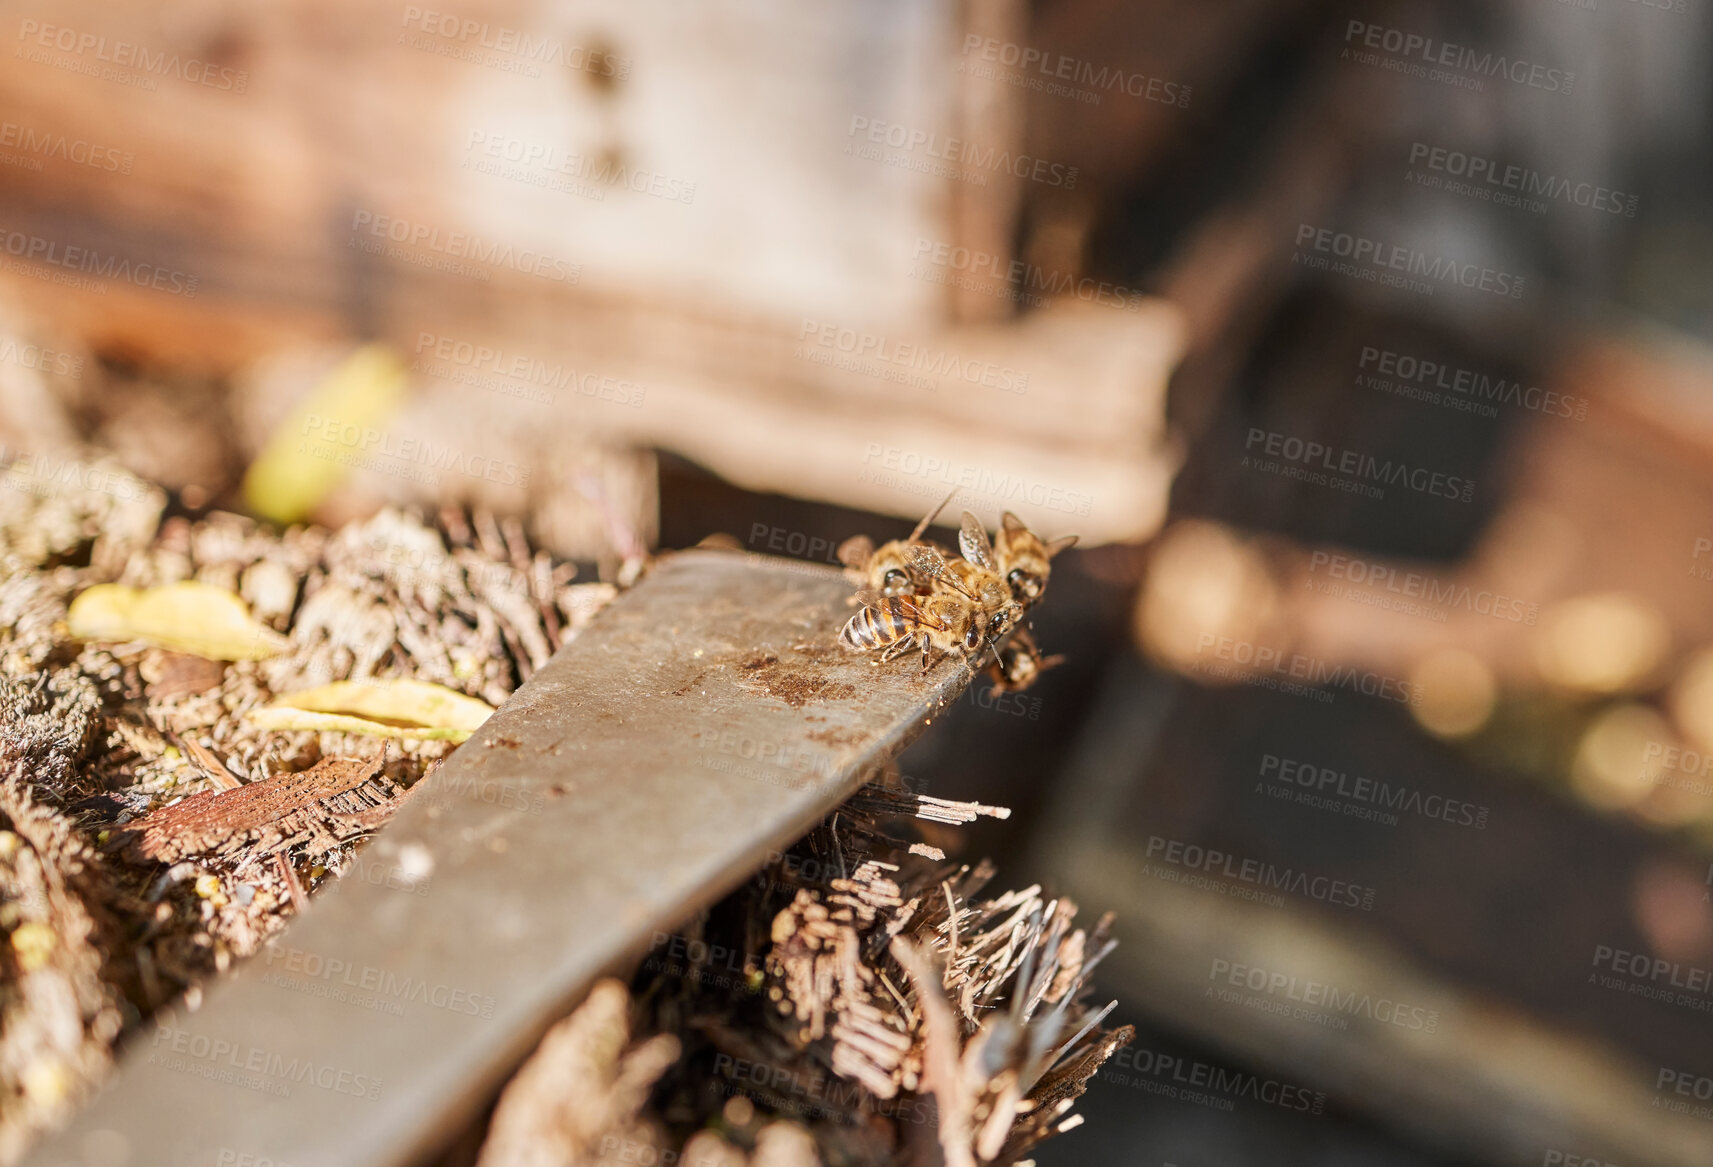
[(1020, 668), (1003, 621), (1025, 585), (1029, 557)]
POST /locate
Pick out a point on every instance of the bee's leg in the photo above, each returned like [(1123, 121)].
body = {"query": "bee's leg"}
[(897, 648), (929, 657)]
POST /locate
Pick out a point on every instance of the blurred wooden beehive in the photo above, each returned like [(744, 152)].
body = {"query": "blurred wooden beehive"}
[(601, 227)]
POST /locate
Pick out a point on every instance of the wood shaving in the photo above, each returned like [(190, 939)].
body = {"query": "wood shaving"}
[(270, 816), (885, 1009)]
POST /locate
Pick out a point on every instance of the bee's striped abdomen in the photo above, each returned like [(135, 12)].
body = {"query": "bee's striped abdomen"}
[(879, 625)]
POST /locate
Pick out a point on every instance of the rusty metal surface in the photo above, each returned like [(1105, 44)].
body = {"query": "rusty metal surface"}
[(704, 718)]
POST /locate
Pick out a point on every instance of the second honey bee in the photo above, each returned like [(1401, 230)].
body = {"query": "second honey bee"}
[(967, 607), (978, 570), (1025, 560)]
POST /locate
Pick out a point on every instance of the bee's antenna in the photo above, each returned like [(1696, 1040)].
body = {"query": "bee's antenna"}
[(928, 519)]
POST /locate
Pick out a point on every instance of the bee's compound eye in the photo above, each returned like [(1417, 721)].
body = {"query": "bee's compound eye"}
[(895, 578), (972, 638), (998, 624)]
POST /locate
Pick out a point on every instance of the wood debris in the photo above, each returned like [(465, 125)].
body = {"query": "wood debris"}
[(150, 835), (887, 1011), (944, 810), (209, 762), (58, 1016), (274, 815)]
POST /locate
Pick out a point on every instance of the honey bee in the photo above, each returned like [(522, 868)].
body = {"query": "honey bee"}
[(1018, 662), (1025, 560), (975, 582), (896, 624), (977, 573), (952, 617), (886, 571)]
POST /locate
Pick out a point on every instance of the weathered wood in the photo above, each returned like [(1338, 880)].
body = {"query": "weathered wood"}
[(812, 284), (263, 817)]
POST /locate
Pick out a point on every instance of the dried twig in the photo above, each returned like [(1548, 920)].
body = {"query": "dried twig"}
[(299, 899)]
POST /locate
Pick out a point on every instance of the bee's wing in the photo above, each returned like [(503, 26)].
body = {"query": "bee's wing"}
[(929, 563), (972, 541), (867, 597), (925, 560), (915, 611), (1062, 543), (856, 551)]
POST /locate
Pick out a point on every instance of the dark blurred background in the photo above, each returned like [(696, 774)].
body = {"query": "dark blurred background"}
[(1365, 346)]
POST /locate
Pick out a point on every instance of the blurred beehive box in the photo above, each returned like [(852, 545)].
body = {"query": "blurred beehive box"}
[(777, 242)]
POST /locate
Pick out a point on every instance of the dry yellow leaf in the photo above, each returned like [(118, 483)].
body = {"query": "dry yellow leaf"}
[(380, 708), (190, 617), (337, 423)]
